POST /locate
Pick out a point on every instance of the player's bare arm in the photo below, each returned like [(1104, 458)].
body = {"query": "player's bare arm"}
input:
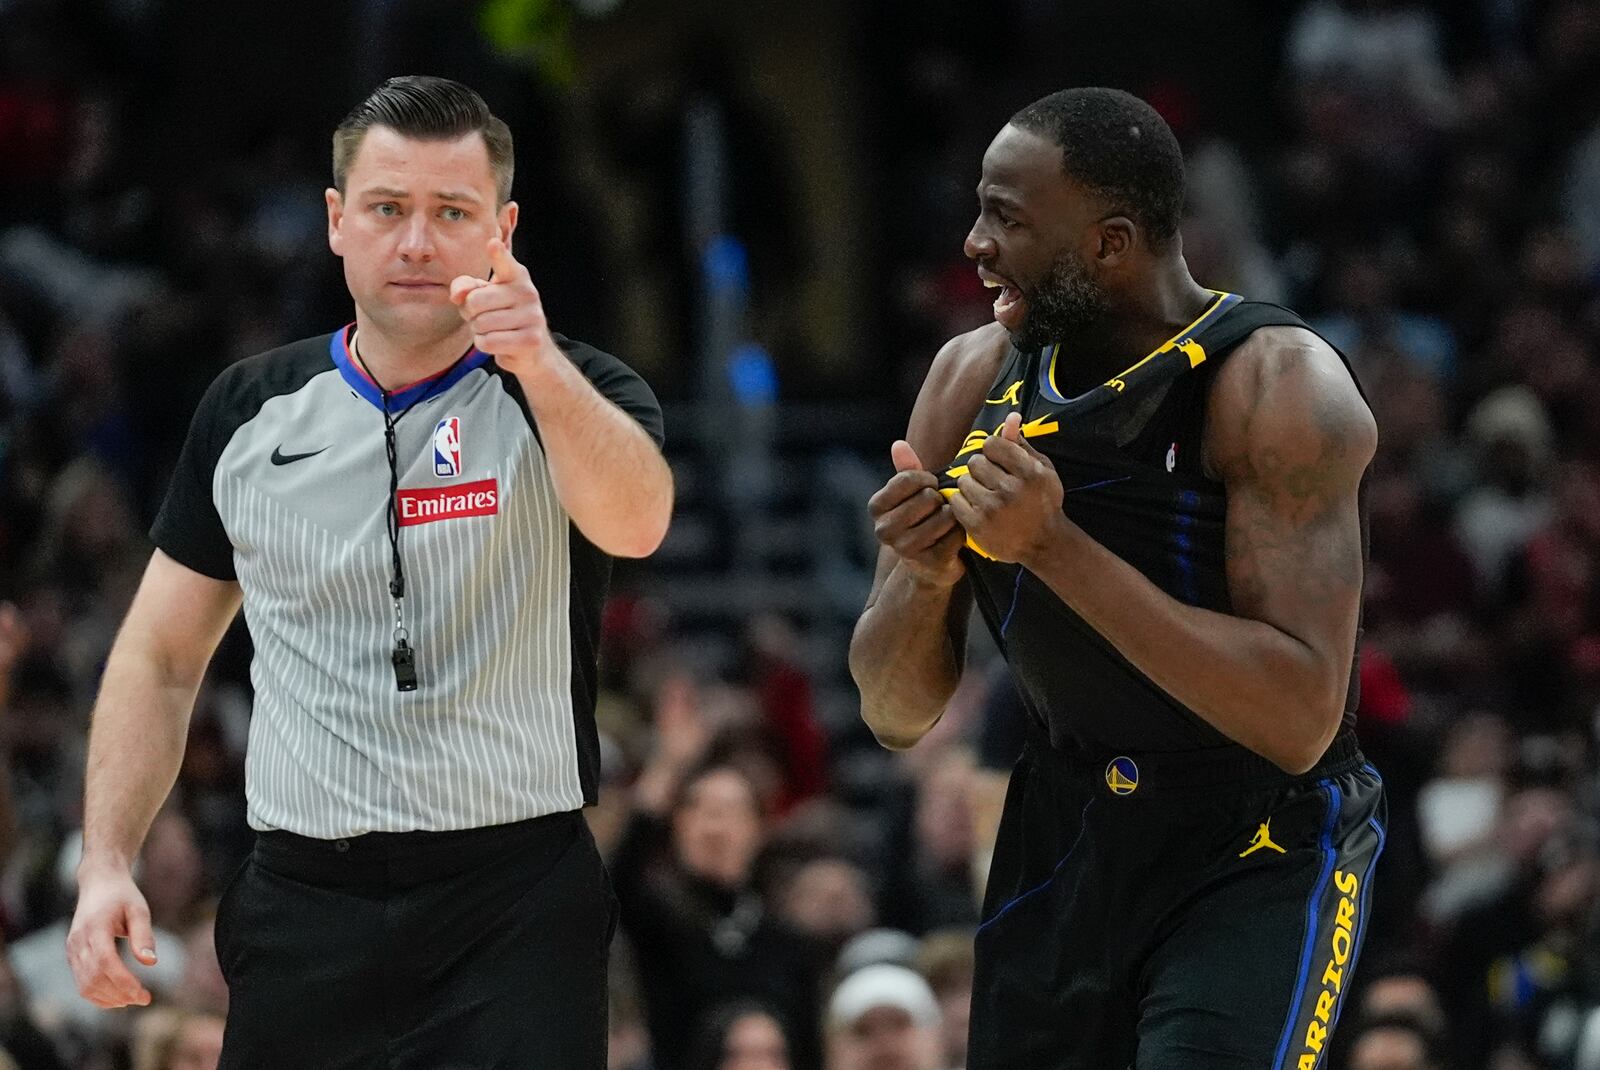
[(136, 743), (608, 473), (1290, 437), (909, 646)]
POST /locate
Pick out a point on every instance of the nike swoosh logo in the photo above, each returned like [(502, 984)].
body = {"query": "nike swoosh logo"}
[(279, 457)]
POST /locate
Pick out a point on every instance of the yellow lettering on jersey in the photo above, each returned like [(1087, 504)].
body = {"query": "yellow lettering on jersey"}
[(1012, 395), (1339, 949), (974, 442), (1117, 384)]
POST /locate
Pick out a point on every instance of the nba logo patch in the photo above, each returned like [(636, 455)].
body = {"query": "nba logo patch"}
[(1172, 456), (447, 448), (1122, 776)]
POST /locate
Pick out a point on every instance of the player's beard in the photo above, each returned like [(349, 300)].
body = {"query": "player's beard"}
[(1066, 301)]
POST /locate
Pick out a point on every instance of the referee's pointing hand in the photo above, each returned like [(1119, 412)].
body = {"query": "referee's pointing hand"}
[(506, 314)]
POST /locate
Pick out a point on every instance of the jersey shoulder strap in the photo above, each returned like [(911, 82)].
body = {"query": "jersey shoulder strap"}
[(1227, 332)]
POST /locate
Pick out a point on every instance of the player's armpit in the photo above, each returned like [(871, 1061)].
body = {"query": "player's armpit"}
[(1290, 436)]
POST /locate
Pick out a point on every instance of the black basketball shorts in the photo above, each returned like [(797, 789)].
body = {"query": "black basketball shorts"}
[(1196, 912)]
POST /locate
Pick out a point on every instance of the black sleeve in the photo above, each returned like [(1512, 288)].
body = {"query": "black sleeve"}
[(618, 383), (189, 529)]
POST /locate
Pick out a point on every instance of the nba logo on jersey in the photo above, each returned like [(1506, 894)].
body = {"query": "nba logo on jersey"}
[(447, 447), (1172, 456)]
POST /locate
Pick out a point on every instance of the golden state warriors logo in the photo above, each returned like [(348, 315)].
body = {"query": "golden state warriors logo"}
[(1122, 776)]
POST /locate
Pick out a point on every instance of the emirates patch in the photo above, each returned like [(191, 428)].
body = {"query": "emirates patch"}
[(449, 503)]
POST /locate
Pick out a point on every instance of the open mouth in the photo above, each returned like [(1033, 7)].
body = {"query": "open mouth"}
[(1009, 305)]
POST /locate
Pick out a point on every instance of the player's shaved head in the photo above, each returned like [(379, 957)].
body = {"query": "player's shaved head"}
[(429, 109), (1118, 148)]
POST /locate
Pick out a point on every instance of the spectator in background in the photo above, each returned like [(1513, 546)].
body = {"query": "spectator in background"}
[(1373, 332), (1553, 587), (1460, 807), (784, 695), (931, 884), (744, 1035), (167, 1039), (1392, 46), (700, 929), (1518, 942), (883, 1017), (828, 897), (1512, 438), (1373, 98), (946, 960), (1394, 1042)]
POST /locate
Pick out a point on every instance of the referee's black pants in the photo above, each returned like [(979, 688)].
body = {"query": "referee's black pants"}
[(483, 948)]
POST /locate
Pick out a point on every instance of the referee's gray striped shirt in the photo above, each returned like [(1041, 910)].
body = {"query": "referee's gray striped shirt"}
[(283, 485)]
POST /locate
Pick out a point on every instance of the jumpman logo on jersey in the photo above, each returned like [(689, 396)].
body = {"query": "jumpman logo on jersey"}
[(1263, 838)]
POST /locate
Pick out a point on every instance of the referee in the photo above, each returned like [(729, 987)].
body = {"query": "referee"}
[(418, 513)]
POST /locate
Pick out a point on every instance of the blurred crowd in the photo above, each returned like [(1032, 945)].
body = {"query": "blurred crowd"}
[(1423, 183)]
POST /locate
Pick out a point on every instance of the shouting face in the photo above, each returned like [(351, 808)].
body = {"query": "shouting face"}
[(1034, 239)]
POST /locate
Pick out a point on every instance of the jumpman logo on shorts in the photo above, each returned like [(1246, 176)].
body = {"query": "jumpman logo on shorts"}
[(1263, 838)]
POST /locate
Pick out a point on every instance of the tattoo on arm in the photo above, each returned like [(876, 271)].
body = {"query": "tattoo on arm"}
[(1293, 470)]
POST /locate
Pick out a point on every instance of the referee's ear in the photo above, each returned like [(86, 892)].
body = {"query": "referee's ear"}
[(506, 218), (335, 202)]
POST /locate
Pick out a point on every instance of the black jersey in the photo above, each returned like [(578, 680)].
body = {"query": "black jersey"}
[(1128, 453)]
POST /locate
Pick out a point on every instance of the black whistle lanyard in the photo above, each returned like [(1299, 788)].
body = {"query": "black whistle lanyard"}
[(403, 656)]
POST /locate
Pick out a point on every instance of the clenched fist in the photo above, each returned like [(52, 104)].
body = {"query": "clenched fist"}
[(1009, 501), (912, 518)]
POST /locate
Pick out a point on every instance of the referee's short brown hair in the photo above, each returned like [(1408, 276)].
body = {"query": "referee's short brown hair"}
[(429, 109)]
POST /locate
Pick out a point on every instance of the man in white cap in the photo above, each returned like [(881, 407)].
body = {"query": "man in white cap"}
[(883, 1017)]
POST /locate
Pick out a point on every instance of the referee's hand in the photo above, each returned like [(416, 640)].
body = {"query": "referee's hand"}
[(110, 905), (506, 314)]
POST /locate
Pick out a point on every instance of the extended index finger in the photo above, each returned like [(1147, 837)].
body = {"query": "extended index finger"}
[(505, 265)]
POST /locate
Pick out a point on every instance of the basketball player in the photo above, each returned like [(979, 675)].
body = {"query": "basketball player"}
[(1151, 490)]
